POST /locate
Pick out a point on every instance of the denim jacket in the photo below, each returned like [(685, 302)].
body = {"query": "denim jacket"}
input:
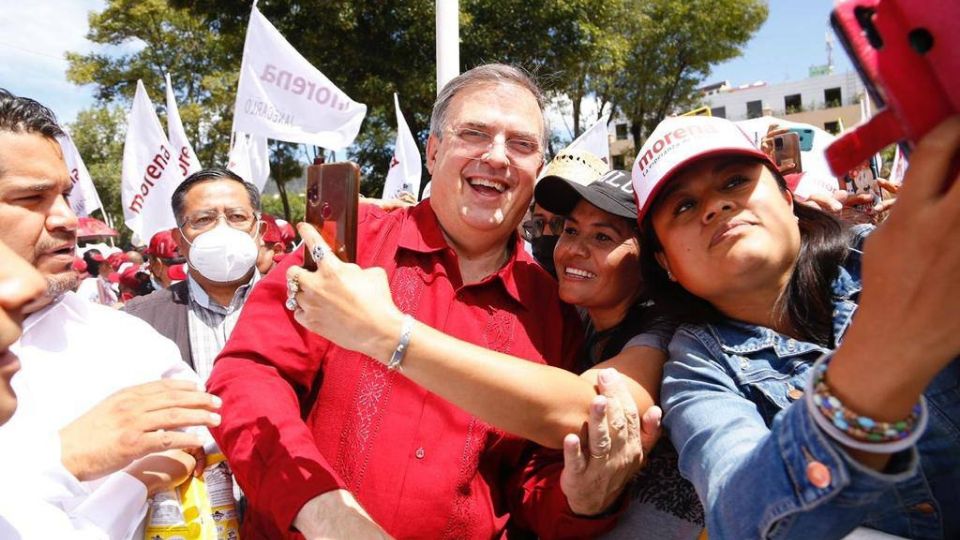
[(750, 446)]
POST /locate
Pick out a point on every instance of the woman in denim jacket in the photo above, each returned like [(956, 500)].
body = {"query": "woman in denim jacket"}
[(791, 419)]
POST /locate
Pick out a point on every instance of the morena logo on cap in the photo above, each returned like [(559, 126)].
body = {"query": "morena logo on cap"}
[(675, 137), (677, 142)]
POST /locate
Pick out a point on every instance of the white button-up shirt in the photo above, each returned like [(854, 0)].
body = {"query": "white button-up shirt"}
[(73, 355)]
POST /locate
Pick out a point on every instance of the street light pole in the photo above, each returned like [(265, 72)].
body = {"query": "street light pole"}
[(448, 41)]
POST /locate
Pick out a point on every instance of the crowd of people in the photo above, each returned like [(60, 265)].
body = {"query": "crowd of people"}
[(537, 349)]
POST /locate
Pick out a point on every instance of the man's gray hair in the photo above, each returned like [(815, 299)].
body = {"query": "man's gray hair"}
[(480, 75)]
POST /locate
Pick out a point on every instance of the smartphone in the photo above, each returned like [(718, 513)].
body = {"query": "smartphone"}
[(786, 153), (806, 138), (905, 52), (862, 180), (333, 190)]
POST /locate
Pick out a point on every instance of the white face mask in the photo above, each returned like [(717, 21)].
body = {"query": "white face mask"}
[(223, 254)]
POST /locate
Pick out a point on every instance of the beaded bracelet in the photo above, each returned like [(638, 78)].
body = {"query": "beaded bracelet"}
[(858, 431)]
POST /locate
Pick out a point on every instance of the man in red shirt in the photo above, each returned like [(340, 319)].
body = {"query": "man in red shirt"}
[(326, 441)]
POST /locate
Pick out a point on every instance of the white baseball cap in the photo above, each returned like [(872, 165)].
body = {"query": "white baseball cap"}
[(680, 141)]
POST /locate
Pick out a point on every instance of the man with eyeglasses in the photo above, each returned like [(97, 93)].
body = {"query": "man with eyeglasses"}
[(218, 231), (541, 231), (330, 443)]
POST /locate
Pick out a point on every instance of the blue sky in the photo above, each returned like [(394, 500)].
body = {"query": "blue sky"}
[(35, 34), (792, 39)]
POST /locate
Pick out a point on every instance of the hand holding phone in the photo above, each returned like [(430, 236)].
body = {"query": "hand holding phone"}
[(905, 52), (333, 190), (785, 149), (806, 138)]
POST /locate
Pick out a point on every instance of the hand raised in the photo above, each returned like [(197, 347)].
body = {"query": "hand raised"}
[(344, 303), (133, 423), (595, 474), (912, 261)]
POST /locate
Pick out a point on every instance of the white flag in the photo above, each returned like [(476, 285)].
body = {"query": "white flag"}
[(876, 161), (187, 160), (594, 140), (250, 159), (405, 168), (899, 166), (150, 174), (83, 198), (282, 96)]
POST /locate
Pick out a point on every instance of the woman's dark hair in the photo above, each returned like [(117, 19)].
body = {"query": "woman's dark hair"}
[(144, 286), (807, 304), (93, 267)]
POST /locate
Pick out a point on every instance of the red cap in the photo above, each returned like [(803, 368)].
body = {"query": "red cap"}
[(278, 230), (287, 234), (177, 272), (162, 246), (116, 259), (96, 256), (79, 264), (271, 232), (793, 180), (128, 278)]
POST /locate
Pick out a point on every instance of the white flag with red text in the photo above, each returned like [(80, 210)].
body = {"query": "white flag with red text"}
[(83, 198), (150, 174), (594, 140), (405, 169), (898, 169), (250, 159), (187, 160), (281, 96)]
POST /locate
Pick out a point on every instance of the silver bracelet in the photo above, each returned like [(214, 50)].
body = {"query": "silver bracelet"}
[(405, 331)]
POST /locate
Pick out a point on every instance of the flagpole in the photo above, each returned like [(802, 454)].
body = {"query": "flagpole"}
[(448, 41)]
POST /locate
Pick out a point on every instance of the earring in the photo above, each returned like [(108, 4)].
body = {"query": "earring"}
[(670, 276)]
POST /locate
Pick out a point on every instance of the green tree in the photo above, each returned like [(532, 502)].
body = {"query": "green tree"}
[(98, 133), (203, 63), (368, 48), (373, 48), (644, 58), (571, 45), (674, 43)]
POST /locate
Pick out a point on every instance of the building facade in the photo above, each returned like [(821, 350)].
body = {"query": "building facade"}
[(830, 101)]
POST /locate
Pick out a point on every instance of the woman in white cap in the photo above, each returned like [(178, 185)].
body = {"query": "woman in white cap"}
[(802, 407)]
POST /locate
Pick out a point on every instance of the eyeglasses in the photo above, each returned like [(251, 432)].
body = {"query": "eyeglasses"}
[(237, 218), (533, 228), (522, 151)]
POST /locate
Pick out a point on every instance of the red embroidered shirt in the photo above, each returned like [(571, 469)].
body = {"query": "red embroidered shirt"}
[(302, 416)]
